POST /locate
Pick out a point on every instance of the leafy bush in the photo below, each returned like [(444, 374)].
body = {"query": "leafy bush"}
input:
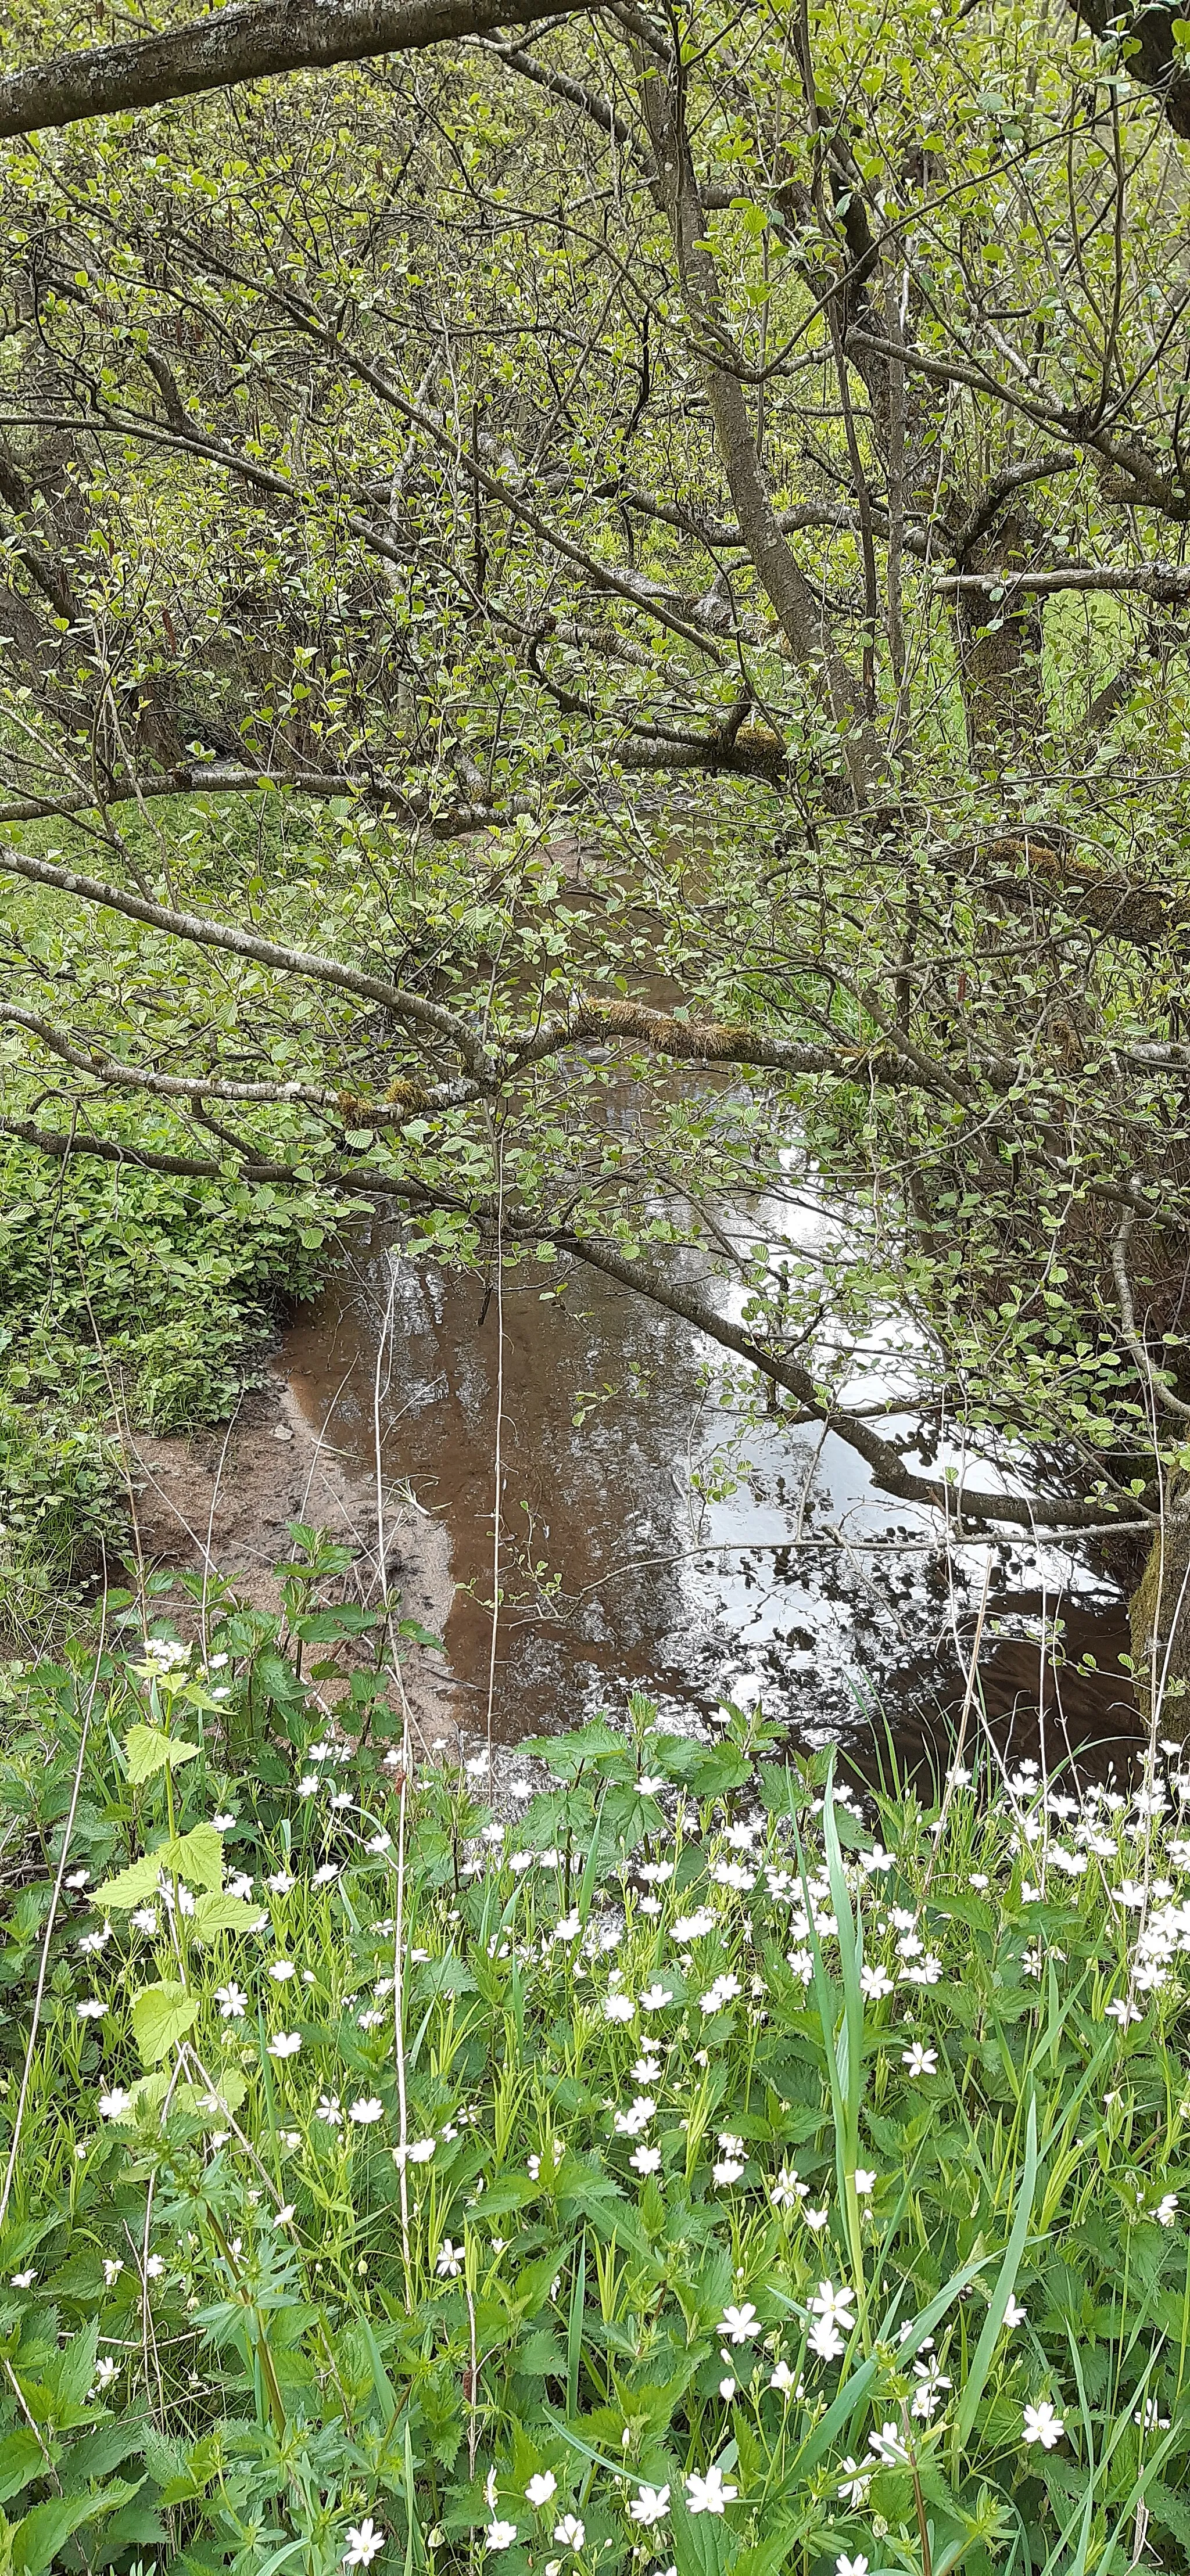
[(166, 1285), (59, 1481), (692, 2174)]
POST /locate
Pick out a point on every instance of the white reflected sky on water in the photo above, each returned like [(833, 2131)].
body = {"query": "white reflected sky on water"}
[(816, 1631)]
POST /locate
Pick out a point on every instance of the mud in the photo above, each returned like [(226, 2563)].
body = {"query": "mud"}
[(222, 1503)]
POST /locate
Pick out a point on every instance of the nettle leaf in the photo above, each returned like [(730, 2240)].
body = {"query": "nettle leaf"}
[(21, 2458), (43, 2533), (196, 1857), (150, 1751), (161, 2016), (213, 1914), (131, 1886)]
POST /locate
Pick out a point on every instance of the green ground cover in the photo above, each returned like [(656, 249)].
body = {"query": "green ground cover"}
[(696, 2172)]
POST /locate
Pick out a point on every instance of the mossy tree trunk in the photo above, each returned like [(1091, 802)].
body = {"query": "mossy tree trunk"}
[(1159, 1613)]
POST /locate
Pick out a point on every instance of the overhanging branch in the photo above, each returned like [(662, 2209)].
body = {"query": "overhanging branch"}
[(236, 45)]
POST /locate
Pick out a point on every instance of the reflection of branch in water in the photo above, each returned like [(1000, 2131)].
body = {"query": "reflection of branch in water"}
[(939, 1547)]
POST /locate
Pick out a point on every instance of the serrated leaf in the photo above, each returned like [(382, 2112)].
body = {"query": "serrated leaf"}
[(131, 1886), (198, 1857), (21, 2458), (149, 1751), (217, 1913), (161, 2016)]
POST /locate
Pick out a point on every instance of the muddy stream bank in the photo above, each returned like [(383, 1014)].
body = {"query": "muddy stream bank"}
[(627, 1558)]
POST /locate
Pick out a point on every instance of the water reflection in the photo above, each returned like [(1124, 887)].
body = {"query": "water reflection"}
[(626, 1561)]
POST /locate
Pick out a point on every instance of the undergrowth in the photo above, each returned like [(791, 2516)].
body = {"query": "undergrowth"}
[(701, 2172)]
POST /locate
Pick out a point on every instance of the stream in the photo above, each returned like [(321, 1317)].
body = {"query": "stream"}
[(627, 1562)]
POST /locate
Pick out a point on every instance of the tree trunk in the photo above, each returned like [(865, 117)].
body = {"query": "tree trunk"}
[(1159, 1612)]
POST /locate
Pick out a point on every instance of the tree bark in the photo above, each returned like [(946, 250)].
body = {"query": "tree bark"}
[(236, 45)]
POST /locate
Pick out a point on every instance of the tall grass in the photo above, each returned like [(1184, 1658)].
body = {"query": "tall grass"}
[(780, 2182)]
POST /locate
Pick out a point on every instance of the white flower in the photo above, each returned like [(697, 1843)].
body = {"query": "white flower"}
[(788, 2189), (1122, 2011), (919, 2060), (709, 2495), (1166, 2209), (91, 2010), (284, 2214), (888, 2446), (647, 2070), (932, 2380), (282, 1969), (365, 2111), (619, 2008), (628, 2124), (649, 2506), (112, 2267), (724, 1991), (828, 2302), (281, 1882), (568, 1927), (155, 2267), (308, 1788), (364, 2539), (740, 2325), (816, 2218), (782, 2379), (23, 2280), (330, 2110), (693, 1927), (232, 2002), (1043, 2425), (107, 2372), (851, 2566), (645, 2160), (285, 2043), (865, 2182), (113, 2105), (145, 1919), (875, 1982), (825, 2339), (656, 1997), (731, 1873), (541, 2488), (500, 2535), (857, 2479), (223, 1824), (1015, 2314), (570, 2531), (450, 2260)]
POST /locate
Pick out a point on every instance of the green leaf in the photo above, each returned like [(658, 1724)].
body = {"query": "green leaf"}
[(198, 1857), (998, 2303), (213, 1914), (21, 2458), (161, 2016), (131, 1886), (149, 1751)]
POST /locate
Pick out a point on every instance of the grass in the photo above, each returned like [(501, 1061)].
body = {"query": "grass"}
[(697, 2173)]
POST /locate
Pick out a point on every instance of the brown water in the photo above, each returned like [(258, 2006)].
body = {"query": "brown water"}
[(802, 1587)]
